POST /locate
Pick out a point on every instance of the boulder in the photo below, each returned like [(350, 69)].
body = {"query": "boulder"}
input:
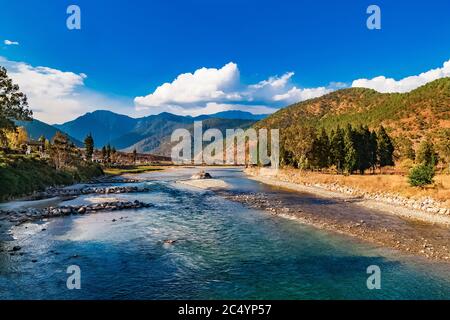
[(202, 175)]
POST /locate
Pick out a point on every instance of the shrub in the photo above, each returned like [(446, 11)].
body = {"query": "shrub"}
[(406, 165), (421, 175)]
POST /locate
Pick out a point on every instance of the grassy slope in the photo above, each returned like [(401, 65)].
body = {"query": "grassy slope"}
[(21, 175), (131, 169)]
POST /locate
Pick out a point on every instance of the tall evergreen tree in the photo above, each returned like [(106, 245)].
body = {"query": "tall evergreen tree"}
[(363, 143), (385, 150), (324, 150), (134, 155), (373, 147), (89, 146), (337, 149), (351, 156)]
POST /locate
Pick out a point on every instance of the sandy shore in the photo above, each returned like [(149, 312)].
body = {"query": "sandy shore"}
[(205, 183)]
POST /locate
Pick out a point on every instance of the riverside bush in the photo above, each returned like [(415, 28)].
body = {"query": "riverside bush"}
[(421, 175)]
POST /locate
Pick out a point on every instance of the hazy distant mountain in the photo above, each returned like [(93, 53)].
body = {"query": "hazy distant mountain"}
[(105, 126), (122, 131), (36, 129), (151, 133), (161, 144), (237, 114), (153, 128)]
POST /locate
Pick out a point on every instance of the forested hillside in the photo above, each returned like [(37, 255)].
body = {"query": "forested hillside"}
[(409, 118)]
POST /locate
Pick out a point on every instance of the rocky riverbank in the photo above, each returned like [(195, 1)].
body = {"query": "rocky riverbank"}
[(17, 217), (82, 188), (383, 220), (337, 215), (425, 209), (73, 192)]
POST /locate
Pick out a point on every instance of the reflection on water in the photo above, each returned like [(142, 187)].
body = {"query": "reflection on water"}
[(222, 250)]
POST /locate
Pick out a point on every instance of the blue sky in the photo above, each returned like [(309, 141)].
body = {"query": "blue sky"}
[(127, 49)]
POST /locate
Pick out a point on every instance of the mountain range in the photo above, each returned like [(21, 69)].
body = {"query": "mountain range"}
[(408, 117), (149, 134)]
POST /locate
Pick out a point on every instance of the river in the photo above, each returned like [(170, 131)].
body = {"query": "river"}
[(222, 251)]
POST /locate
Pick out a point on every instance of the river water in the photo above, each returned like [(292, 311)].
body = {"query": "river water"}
[(222, 251)]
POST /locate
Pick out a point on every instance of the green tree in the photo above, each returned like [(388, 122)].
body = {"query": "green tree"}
[(351, 156), (298, 143), (404, 148), (385, 149), (89, 147), (421, 175), (323, 155), (60, 151), (13, 103), (426, 153), (373, 147), (337, 149), (363, 143), (134, 155), (443, 146)]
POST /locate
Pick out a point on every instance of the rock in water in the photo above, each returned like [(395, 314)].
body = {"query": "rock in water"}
[(201, 175)]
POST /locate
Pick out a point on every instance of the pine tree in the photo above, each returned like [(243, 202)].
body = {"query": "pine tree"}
[(373, 146), (351, 156), (385, 150), (324, 150), (134, 155), (337, 149), (363, 148), (89, 147)]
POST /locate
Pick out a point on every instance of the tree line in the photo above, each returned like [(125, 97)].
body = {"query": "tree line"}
[(348, 149)]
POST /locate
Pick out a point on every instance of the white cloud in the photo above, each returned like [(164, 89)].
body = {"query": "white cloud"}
[(55, 96), (201, 86), (385, 85), (295, 94), (11, 43), (209, 89)]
